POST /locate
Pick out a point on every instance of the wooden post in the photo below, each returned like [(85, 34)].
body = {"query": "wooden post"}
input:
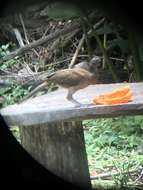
[(60, 148)]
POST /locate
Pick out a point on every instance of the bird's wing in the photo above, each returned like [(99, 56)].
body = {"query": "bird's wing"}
[(67, 78)]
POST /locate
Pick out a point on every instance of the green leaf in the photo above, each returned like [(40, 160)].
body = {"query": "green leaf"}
[(61, 10), (106, 29), (123, 44)]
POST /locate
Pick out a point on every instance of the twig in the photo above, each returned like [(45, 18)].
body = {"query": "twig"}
[(46, 32), (18, 37), (5, 71), (140, 176), (41, 41), (25, 33), (103, 50), (24, 29), (58, 62), (113, 58), (89, 50), (104, 45), (36, 53), (77, 51), (57, 45), (81, 43), (116, 59), (106, 175)]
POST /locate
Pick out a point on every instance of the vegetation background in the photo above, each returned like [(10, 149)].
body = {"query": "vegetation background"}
[(28, 52)]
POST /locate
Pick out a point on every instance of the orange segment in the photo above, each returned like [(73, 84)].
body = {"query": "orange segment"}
[(121, 95), (119, 92), (123, 99)]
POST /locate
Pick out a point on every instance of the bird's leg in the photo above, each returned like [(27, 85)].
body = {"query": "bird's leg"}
[(70, 97)]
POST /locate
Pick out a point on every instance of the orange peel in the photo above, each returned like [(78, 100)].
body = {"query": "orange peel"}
[(122, 95)]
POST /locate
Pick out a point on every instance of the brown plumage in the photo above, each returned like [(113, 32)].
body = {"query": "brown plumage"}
[(72, 79)]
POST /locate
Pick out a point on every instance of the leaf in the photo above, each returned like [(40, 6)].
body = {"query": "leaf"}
[(123, 44), (4, 47), (61, 10), (106, 29), (139, 40)]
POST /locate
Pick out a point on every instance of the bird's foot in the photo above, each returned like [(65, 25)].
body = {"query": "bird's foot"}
[(76, 103)]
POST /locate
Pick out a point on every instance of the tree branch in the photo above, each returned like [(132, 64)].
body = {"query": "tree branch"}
[(106, 175), (82, 41), (24, 28), (18, 37), (41, 41)]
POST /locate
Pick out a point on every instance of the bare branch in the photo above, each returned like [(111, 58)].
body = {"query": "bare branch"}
[(77, 51), (18, 37), (106, 175), (81, 43), (41, 41), (24, 29)]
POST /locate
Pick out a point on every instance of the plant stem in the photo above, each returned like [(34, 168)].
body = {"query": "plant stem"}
[(86, 38), (103, 50), (104, 44), (136, 56)]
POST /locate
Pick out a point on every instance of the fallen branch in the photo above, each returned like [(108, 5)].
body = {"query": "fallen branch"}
[(7, 80), (41, 41), (107, 175), (57, 45)]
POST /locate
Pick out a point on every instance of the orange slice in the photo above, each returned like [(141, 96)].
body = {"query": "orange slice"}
[(121, 95), (119, 92)]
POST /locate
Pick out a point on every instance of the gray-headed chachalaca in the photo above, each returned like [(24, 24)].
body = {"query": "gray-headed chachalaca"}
[(74, 79)]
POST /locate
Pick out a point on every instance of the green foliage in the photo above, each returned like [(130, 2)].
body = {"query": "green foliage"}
[(115, 144), (111, 144), (134, 48), (106, 29), (64, 11), (121, 43), (12, 94), (6, 49), (8, 64), (123, 168), (16, 133)]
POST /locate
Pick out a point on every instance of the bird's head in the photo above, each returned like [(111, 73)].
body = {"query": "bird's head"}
[(95, 64), (92, 66)]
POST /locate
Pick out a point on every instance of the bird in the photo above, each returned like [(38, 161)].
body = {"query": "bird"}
[(72, 79)]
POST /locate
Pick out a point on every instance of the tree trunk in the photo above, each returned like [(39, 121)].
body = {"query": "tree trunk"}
[(60, 148)]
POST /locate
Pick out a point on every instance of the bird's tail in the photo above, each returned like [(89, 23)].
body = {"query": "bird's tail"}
[(50, 75), (38, 88)]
